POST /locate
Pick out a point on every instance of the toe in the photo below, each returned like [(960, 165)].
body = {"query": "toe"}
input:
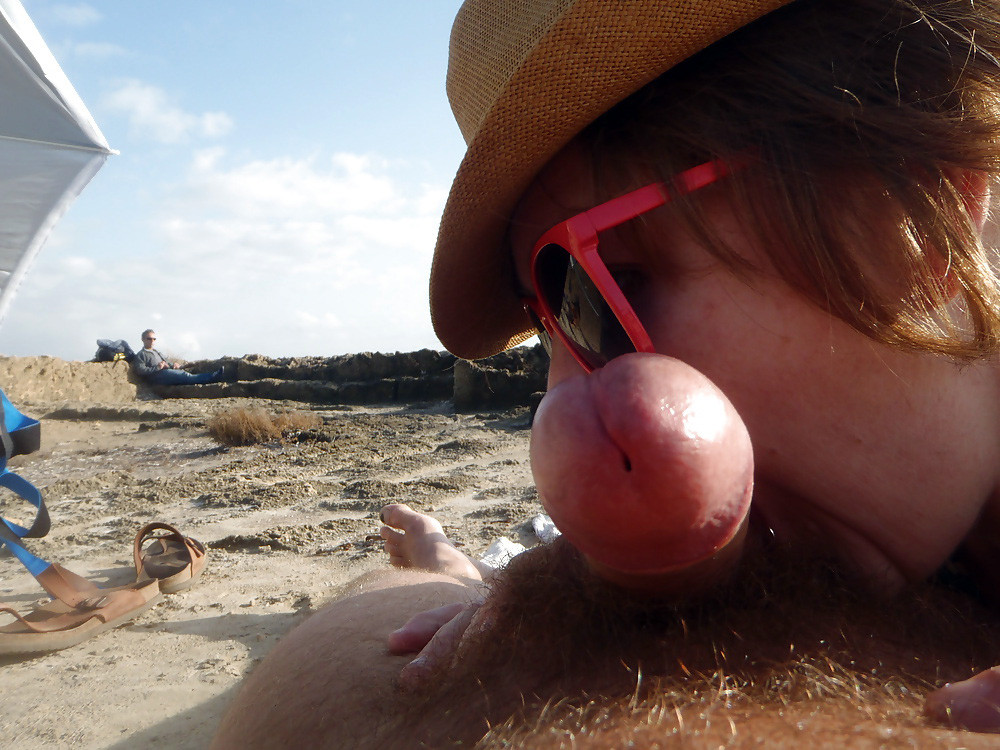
[(390, 535), (395, 514), (403, 517), (390, 509)]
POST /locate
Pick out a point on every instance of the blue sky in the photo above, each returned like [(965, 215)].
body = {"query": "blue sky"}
[(281, 173)]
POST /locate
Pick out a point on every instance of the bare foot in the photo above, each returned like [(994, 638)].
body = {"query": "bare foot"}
[(415, 540)]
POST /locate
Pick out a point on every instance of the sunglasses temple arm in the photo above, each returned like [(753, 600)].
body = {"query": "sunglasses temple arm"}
[(627, 207), (638, 202)]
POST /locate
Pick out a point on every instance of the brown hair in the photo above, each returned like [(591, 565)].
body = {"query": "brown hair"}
[(857, 114), (563, 653)]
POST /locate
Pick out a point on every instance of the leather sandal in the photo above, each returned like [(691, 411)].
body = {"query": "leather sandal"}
[(79, 610), (173, 560)]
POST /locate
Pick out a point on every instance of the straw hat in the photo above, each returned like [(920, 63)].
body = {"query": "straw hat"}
[(524, 77)]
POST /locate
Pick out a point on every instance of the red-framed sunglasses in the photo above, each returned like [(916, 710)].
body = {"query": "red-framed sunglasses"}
[(577, 300)]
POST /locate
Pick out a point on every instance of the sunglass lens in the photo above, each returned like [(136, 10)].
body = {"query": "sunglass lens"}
[(578, 306), (543, 335)]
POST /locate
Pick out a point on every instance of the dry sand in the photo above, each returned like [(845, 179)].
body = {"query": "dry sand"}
[(287, 525)]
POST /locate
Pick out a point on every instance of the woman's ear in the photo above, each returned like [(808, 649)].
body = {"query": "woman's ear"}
[(974, 187)]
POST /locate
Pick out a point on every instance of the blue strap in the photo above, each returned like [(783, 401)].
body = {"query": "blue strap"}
[(18, 433), (11, 533), (25, 489), (33, 563), (13, 421), (8, 411)]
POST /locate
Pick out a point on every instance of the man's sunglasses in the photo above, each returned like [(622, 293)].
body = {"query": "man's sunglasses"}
[(577, 300)]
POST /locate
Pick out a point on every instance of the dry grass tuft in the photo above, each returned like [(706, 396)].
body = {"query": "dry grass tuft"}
[(252, 426)]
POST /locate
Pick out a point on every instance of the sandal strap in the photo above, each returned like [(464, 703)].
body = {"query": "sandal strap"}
[(67, 586), (60, 583), (146, 533), (20, 434), (35, 627), (17, 616)]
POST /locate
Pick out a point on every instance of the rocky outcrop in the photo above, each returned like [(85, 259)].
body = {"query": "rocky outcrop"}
[(365, 378), (348, 368), (53, 379), (505, 380), (380, 391)]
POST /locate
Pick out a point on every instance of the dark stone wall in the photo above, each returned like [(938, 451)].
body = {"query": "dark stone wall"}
[(505, 380)]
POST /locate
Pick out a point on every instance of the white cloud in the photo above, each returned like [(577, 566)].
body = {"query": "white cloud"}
[(311, 256), (303, 189), (187, 342), (215, 124), (153, 115), (98, 50), (328, 321), (282, 257), (79, 266), (79, 14)]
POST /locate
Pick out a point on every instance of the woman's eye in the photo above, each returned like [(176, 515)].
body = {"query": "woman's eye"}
[(629, 279)]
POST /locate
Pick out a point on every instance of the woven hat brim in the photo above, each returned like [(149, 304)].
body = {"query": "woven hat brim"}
[(593, 56)]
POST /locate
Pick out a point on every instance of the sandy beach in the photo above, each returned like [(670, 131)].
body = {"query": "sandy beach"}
[(286, 526)]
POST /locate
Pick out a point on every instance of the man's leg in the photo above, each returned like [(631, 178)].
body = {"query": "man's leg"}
[(330, 681), (182, 377), (210, 377)]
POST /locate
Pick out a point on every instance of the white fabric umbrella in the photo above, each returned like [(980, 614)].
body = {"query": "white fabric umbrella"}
[(50, 146)]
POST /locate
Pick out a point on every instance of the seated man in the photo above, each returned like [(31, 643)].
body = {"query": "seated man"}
[(153, 367)]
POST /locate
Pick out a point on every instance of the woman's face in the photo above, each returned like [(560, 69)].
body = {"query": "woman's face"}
[(882, 458)]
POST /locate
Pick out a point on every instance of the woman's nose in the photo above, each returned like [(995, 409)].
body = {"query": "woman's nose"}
[(562, 364)]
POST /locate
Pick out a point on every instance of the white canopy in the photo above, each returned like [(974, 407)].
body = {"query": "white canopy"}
[(50, 146)]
